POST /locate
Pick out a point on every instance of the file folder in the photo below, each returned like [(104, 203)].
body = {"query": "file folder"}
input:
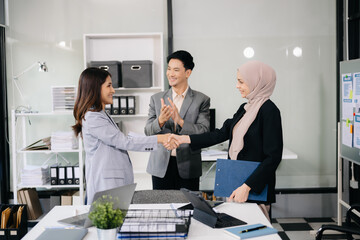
[(115, 106), (131, 104), (62, 175), (76, 175), (123, 105), (54, 175), (69, 175), (108, 108), (243, 232), (231, 174)]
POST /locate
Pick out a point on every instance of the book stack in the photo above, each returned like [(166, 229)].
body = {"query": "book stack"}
[(30, 197), (63, 140), (35, 175)]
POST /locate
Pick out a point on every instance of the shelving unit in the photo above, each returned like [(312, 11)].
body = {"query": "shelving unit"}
[(129, 47), (19, 156)]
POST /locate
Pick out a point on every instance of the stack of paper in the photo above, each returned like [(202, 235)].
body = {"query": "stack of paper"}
[(35, 175), (63, 141), (63, 98), (154, 223)]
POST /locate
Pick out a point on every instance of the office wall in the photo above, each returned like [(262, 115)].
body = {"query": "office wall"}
[(217, 32), (52, 31), (217, 36)]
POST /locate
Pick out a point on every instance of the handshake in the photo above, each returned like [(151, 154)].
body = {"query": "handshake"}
[(173, 141)]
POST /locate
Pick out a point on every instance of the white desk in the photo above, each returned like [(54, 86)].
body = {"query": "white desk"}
[(248, 212), (212, 155), (209, 157)]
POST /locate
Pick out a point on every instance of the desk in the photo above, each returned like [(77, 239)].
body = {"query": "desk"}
[(248, 212), (209, 157)]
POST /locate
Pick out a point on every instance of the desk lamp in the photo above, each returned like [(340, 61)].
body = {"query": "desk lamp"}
[(42, 68)]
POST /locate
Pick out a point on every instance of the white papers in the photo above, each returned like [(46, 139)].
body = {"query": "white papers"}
[(63, 141), (35, 175), (357, 131), (346, 134), (347, 96), (356, 82), (347, 119)]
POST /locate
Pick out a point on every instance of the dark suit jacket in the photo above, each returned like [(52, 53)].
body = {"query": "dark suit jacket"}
[(196, 114), (263, 143)]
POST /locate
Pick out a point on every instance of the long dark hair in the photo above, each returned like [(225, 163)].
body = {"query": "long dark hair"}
[(88, 95)]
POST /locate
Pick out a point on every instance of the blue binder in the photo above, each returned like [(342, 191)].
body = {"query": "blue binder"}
[(231, 174)]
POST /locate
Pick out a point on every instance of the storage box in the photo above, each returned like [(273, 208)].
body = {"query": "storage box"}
[(11, 232), (137, 74), (113, 67)]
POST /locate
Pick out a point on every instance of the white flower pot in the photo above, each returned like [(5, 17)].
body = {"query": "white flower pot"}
[(106, 234)]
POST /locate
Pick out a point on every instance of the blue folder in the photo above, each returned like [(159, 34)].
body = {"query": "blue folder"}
[(236, 231), (231, 174)]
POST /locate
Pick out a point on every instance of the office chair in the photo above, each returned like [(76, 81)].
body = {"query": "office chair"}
[(348, 228), (159, 196)]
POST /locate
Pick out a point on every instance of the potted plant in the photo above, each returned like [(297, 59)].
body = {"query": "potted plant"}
[(105, 218)]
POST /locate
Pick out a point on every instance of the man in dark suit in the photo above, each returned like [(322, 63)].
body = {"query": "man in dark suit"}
[(179, 110)]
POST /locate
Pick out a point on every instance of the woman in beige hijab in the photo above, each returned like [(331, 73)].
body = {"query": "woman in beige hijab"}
[(254, 132)]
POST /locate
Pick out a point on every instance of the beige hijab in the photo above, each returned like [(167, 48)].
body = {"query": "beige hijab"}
[(261, 79)]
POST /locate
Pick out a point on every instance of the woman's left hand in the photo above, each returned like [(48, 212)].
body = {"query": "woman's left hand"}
[(240, 194)]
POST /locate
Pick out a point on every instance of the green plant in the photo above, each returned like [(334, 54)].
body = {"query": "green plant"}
[(103, 215)]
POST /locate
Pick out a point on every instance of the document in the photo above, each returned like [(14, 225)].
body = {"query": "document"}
[(347, 97), (5, 217), (357, 131), (356, 82), (347, 136), (231, 174)]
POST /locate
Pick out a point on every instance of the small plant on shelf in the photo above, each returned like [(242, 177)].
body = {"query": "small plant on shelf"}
[(104, 216)]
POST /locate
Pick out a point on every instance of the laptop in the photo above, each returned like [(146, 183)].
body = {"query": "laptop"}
[(123, 193), (204, 213)]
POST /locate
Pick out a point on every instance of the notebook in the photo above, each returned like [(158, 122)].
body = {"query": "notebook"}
[(123, 193), (204, 213), (250, 231)]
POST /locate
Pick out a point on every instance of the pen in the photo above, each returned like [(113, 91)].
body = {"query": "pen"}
[(253, 229)]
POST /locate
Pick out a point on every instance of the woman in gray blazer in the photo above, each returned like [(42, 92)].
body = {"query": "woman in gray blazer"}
[(107, 163)]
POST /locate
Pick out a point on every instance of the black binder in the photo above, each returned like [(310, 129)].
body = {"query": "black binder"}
[(115, 106), (123, 105), (131, 104), (54, 171), (108, 108), (62, 175), (76, 175), (69, 175)]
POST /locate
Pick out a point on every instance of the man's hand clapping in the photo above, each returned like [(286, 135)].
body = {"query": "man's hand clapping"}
[(165, 113)]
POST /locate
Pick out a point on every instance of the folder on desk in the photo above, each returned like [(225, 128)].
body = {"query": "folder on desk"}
[(54, 174), (131, 104), (62, 175), (115, 106), (69, 175), (76, 175), (123, 104), (244, 232), (231, 174)]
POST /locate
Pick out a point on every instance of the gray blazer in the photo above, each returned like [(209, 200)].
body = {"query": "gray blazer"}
[(107, 163), (196, 114)]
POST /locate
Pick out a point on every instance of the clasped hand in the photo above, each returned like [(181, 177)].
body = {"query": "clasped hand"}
[(173, 141)]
